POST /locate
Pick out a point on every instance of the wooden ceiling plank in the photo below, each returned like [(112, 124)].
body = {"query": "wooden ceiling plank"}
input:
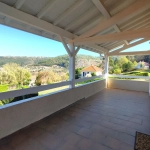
[(124, 15), (19, 3), (46, 9), (79, 20), (67, 12)]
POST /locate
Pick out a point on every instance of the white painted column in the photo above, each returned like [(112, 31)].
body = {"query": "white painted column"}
[(72, 66), (149, 87), (106, 68)]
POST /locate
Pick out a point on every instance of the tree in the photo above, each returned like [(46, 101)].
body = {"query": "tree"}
[(121, 61), (131, 58), (48, 77), (111, 62), (111, 65), (135, 63), (77, 73), (128, 66), (14, 74), (64, 77)]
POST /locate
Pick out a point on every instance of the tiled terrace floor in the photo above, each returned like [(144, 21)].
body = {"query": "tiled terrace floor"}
[(106, 121)]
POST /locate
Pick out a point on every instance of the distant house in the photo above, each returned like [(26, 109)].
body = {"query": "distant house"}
[(87, 71), (142, 64)]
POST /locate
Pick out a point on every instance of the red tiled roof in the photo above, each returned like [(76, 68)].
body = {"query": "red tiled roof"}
[(92, 69)]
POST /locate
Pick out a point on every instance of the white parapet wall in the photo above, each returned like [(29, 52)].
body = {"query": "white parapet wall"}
[(18, 115), (133, 85)]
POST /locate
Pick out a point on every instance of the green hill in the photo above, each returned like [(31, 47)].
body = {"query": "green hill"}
[(63, 60)]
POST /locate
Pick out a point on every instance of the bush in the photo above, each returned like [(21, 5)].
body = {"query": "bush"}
[(93, 74), (117, 71), (25, 87), (1, 104), (141, 74), (137, 73), (76, 76), (145, 74), (6, 101), (3, 88), (134, 72)]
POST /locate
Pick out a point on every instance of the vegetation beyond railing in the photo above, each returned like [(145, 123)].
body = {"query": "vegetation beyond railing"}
[(128, 77), (88, 79)]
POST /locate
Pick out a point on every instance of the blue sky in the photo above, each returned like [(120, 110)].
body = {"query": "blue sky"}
[(141, 47), (15, 42)]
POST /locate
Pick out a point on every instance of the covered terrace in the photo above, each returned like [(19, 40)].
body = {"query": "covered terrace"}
[(101, 115)]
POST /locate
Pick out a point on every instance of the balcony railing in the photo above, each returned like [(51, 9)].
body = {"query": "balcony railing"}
[(20, 92), (147, 78)]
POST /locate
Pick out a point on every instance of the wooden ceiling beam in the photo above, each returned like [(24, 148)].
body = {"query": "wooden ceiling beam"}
[(128, 46), (98, 48), (32, 21), (131, 53), (125, 14), (126, 35), (105, 12)]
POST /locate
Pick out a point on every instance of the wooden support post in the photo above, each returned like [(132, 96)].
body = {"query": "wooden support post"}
[(106, 68), (70, 48), (149, 88), (72, 65)]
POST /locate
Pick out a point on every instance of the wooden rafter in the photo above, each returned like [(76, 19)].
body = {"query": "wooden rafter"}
[(128, 46), (126, 35), (132, 53), (32, 21), (123, 15), (105, 12)]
